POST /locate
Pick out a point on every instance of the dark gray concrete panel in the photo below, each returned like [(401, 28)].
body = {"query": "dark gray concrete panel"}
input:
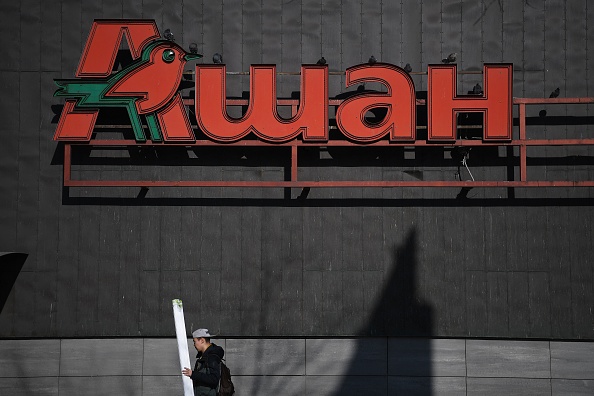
[(508, 386), (372, 39), (452, 317), (562, 387), (435, 386), (536, 240), (149, 239), (110, 272), (345, 385), (149, 309), (188, 244), (161, 356), (73, 37), (451, 28), (558, 255), (50, 37), (9, 162), (232, 41), (88, 271), (471, 41), (45, 309), (130, 385), (476, 303), (426, 357), (491, 24), (29, 386), (572, 360), (129, 281), (331, 44), (20, 358), (527, 359), (266, 357), (497, 313), (391, 33), (50, 183), (346, 356), (89, 357), (28, 171), (210, 241), (582, 274), (159, 385), (10, 33), (132, 9), (271, 32), (353, 303), (312, 297), (67, 275), (212, 32), (312, 245), (513, 40), (24, 298), (269, 385), (311, 31), (350, 34), (352, 243), (539, 303), (170, 236), (517, 296), (431, 37)]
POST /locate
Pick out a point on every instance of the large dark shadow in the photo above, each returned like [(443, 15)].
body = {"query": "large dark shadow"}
[(142, 199), (10, 267), (399, 314)]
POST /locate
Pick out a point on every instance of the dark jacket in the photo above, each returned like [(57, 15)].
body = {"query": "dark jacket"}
[(207, 371)]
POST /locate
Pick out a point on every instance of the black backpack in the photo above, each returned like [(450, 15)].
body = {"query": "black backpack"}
[(226, 387)]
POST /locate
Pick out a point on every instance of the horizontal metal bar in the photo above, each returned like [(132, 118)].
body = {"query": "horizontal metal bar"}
[(553, 100), (340, 143), (336, 73), (280, 102), (419, 102)]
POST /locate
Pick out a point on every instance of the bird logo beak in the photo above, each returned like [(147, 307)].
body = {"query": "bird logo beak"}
[(189, 57)]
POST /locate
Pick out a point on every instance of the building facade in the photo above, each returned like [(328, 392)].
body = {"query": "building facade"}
[(313, 290)]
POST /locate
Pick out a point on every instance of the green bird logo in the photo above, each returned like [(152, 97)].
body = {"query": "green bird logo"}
[(145, 87)]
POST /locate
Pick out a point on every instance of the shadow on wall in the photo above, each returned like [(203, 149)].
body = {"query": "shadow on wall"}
[(10, 267), (400, 312)]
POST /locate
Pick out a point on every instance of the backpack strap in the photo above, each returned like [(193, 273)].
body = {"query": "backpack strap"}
[(220, 373)]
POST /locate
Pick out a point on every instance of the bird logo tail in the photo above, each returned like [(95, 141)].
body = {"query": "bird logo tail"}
[(62, 88)]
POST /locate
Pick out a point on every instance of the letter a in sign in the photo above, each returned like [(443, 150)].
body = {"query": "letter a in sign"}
[(400, 120)]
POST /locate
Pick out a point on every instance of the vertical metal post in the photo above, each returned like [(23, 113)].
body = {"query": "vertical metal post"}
[(67, 163), (523, 154), (293, 162), (293, 150)]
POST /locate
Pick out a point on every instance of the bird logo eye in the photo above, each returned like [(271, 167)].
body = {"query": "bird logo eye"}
[(168, 55)]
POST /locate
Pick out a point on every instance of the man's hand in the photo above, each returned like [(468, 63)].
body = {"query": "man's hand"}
[(187, 372)]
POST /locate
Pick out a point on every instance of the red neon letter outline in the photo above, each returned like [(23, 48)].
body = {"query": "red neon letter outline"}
[(262, 116)]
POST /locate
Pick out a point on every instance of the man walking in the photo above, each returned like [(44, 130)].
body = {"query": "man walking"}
[(207, 370)]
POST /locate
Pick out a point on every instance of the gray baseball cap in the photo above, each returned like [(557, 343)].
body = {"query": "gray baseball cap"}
[(202, 333)]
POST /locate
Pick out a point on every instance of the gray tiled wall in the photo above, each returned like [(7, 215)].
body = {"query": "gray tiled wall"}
[(378, 366)]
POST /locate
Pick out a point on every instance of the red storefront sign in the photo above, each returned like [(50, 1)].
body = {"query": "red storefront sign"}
[(148, 88)]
